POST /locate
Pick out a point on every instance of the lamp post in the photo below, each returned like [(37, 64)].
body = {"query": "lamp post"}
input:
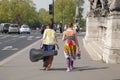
[(78, 4), (53, 11)]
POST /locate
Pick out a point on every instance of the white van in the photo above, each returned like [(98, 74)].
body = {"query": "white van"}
[(13, 28)]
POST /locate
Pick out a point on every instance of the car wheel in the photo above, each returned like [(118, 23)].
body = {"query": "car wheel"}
[(28, 32), (9, 32)]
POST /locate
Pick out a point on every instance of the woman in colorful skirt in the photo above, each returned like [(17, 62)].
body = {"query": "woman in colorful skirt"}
[(70, 45)]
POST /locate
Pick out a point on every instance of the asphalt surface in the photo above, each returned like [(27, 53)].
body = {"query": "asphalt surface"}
[(12, 43), (19, 67)]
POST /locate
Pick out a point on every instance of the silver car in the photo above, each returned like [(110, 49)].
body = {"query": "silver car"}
[(13, 28), (4, 27)]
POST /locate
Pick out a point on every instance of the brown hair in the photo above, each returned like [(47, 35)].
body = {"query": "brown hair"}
[(50, 25), (70, 25)]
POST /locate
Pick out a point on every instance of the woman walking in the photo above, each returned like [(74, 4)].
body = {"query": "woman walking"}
[(70, 45), (49, 41)]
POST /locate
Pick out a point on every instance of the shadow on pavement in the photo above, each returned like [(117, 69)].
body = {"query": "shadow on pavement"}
[(56, 69), (88, 68), (78, 68)]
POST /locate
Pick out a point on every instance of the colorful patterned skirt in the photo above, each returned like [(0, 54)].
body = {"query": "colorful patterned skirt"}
[(70, 51)]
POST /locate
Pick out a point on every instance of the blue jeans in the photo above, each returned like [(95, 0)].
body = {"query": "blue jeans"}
[(46, 47)]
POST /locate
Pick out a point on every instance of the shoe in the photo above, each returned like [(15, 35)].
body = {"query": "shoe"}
[(71, 68), (79, 56), (68, 69), (47, 69), (44, 68)]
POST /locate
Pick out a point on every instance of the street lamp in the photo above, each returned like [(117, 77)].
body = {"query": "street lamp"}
[(78, 4), (53, 11)]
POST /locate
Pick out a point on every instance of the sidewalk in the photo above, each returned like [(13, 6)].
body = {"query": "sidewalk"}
[(19, 67)]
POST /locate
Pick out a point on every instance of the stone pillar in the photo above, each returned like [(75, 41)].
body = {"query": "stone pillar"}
[(112, 42), (77, 12), (92, 41), (92, 27)]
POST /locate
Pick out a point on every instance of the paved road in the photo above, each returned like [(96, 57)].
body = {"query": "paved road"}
[(19, 67), (12, 43)]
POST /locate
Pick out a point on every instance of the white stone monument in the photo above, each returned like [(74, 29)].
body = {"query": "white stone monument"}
[(102, 39)]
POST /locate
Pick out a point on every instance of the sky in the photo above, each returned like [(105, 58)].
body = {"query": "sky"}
[(42, 4), (45, 4), (86, 8)]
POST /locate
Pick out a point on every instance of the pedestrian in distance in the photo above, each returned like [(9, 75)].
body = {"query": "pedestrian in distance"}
[(77, 26), (70, 46), (49, 42)]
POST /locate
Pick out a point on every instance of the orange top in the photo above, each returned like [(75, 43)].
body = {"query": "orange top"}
[(69, 32)]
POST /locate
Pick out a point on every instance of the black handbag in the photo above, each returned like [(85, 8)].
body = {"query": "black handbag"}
[(38, 54)]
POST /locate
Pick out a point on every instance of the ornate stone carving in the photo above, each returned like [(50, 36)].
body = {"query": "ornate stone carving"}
[(115, 5), (98, 8), (116, 51), (103, 19)]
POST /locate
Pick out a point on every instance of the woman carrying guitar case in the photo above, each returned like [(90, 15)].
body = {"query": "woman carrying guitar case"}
[(49, 43)]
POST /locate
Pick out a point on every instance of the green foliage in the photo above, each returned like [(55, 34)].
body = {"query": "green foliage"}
[(4, 7), (82, 23), (65, 10), (23, 12), (44, 16), (18, 11)]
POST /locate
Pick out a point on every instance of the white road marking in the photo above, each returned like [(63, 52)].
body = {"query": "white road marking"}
[(38, 37), (9, 48), (14, 49), (30, 38), (22, 36), (4, 37)]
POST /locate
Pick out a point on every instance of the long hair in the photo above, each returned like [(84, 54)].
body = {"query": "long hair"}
[(70, 25), (51, 25)]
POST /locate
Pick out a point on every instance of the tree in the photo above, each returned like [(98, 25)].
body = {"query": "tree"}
[(65, 10), (79, 2), (18, 11), (44, 16), (4, 7)]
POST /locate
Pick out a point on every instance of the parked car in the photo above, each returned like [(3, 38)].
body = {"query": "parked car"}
[(25, 29), (4, 27), (13, 28)]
